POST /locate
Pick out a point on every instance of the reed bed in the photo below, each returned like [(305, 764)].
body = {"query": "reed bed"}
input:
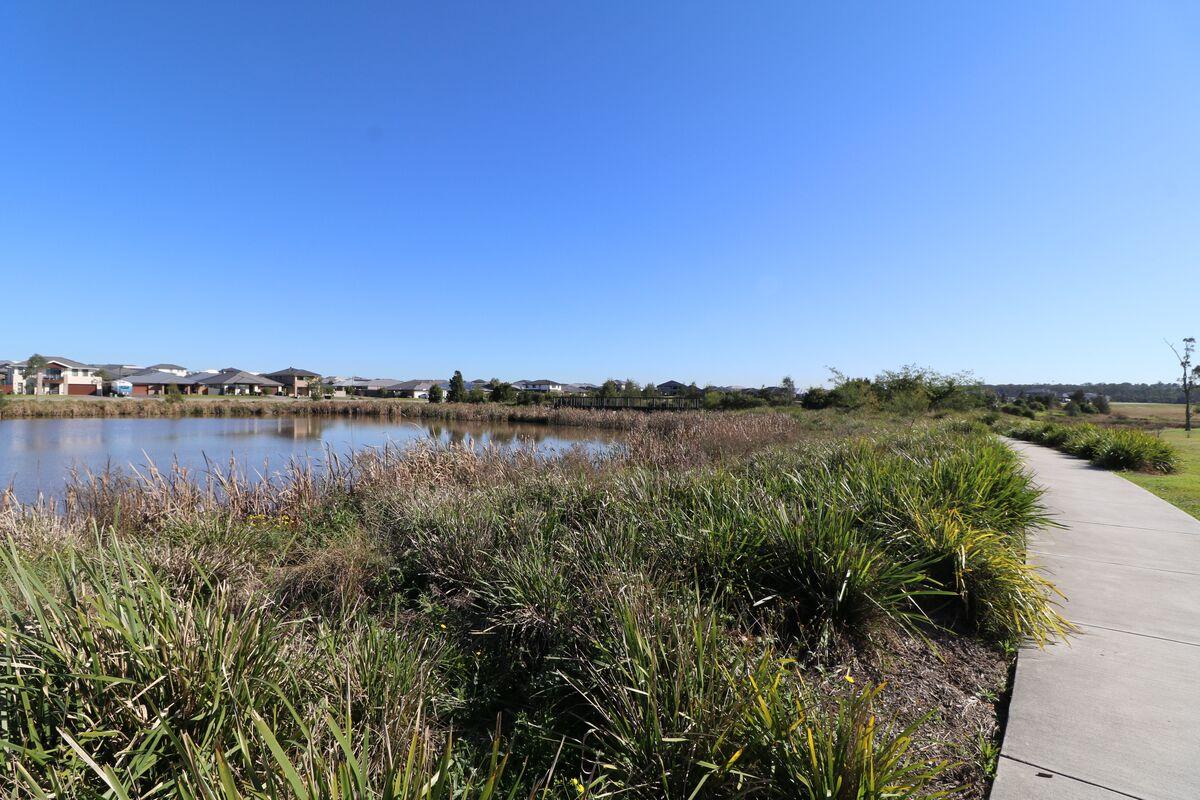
[(721, 608), (14, 408)]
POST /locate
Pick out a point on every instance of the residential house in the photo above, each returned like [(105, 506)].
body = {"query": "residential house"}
[(416, 389), (295, 381), (61, 376), (174, 369), (8, 377), (232, 380), (112, 371), (154, 383), (366, 387), (539, 385), (671, 388)]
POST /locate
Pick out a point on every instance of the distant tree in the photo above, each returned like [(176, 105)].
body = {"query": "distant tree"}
[(317, 388), (530, 398), (477, 395), (650, 390), (458, 389), (851, 393), (1101, 404), (503, 393), (173, 394), (1190, 374), (611, 388), (816, 397), (435, 393), (35, 367), (632, 388), (789, 387)]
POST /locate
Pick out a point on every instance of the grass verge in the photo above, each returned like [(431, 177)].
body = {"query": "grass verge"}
[(1181, 487)]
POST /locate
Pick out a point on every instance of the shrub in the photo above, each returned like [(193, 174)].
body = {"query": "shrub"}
[(1134, 449), (816, 397)]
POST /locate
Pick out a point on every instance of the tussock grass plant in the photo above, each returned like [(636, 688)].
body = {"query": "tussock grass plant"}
[(661, 622), (1108, 448)]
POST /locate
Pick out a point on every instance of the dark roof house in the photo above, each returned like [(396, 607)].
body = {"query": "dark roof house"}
[(292, 372), (231, 377)]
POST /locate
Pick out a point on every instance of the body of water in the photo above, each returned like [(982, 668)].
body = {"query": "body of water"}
[(36, 455)]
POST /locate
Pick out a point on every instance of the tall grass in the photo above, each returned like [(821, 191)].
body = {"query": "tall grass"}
[(1109, 448), (447, 622)]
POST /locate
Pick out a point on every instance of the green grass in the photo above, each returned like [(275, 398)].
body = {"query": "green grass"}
[(1182, 488), (1169, 414)]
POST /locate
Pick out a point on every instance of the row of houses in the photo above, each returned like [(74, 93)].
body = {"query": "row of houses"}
[(58, 375), (388, 387)]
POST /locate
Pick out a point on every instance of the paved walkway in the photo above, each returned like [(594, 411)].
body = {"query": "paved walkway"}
[(1116, 711)]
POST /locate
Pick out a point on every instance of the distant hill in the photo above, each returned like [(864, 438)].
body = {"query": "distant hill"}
[(1117, 392)]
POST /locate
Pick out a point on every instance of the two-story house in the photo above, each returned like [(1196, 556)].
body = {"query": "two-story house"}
[(58, 375)]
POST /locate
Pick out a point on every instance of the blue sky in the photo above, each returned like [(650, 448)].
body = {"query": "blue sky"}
[(719, 192)]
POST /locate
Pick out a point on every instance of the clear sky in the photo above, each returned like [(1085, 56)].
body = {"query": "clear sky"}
[(719, 192)]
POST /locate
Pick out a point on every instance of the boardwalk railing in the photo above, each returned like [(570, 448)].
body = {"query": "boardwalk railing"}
[(634, 403)]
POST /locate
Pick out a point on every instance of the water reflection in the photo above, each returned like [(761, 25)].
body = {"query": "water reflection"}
[(36, 454)]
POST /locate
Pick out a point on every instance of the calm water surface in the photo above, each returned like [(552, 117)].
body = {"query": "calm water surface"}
[(36, 455)]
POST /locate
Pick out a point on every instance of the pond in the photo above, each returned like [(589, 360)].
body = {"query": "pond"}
[(36, 455)]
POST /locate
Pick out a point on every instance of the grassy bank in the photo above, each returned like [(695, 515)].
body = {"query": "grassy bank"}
[(1182, 487), (731, 606)]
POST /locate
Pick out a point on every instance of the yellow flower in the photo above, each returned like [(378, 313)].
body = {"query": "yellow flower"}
[(848, 677), (579, 787), (442, 625)]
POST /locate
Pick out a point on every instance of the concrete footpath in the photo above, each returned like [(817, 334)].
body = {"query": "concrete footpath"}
[(1114, 712)]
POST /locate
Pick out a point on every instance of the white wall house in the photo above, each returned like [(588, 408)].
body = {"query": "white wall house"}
[(543, 385), (170, 369), (62, 376)]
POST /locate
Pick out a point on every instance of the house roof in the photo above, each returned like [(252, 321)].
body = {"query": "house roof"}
[(120, 370), (61, 360), (366, 383), (165, 366), (543, 380), (671, 385), (292, 372), (236, 377), (413, 386), (154, 377)]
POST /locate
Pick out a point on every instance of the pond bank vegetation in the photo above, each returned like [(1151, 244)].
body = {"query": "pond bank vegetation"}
[(749, 605)]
